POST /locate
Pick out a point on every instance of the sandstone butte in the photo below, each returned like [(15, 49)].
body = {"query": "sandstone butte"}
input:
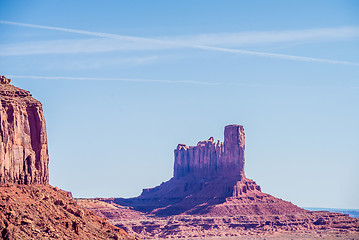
[(210, 196), (30, 207)]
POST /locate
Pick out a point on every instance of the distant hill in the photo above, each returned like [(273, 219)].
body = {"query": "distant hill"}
[(352, 212)]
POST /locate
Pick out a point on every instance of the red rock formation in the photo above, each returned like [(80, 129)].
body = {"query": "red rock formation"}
[(45, 212), (308, 225), (210, 195), (23, 145), (211, 159), (29, 207), (234, 145), (205, 177)]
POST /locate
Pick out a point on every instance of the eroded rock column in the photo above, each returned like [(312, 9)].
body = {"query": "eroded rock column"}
[(234, 146), (210, 159)]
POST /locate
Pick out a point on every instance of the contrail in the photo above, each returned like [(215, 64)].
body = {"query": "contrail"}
[(276, 55), (236, 84), (203, 47), (115, 79), (88, 33)]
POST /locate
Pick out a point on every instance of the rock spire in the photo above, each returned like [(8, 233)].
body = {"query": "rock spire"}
[(209, 196), (211, 159)]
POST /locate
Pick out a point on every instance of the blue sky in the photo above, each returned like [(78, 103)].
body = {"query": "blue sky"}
[(122, 83)]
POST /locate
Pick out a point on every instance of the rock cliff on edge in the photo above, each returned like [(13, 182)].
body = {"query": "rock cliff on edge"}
[(23, 145), (29, 207)]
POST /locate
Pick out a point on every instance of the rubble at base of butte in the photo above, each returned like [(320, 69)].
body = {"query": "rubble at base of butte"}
[(30, 207), (209, 195)]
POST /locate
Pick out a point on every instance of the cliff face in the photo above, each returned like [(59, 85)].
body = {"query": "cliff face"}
[(211, 159), (23, 144), (29, 207)]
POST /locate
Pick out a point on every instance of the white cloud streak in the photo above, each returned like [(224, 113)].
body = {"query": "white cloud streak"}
[(276, 55), (139, 43), (114, 79), (140, 80), (95, 34), (94, 45), (256, 37)]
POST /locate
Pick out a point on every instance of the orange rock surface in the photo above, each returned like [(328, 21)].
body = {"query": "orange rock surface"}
[(24, 155)]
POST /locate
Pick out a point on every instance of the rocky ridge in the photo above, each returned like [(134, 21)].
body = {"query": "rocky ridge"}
[(30, 207), (310, 225), (44, 212), (209, 195)]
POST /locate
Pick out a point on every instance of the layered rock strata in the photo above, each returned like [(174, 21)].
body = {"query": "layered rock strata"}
[(309, 225), (23, 144), (209, 195), (206, 177)]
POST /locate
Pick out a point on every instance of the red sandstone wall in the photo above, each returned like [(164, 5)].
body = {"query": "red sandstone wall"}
[(23, 141)]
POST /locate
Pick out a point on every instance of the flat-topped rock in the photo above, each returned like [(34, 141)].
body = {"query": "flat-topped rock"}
[(212, 159)]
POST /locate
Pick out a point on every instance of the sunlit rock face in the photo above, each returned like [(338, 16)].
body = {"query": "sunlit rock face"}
[(209, 195), (205, 177), (211, 159), (23, 145)]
